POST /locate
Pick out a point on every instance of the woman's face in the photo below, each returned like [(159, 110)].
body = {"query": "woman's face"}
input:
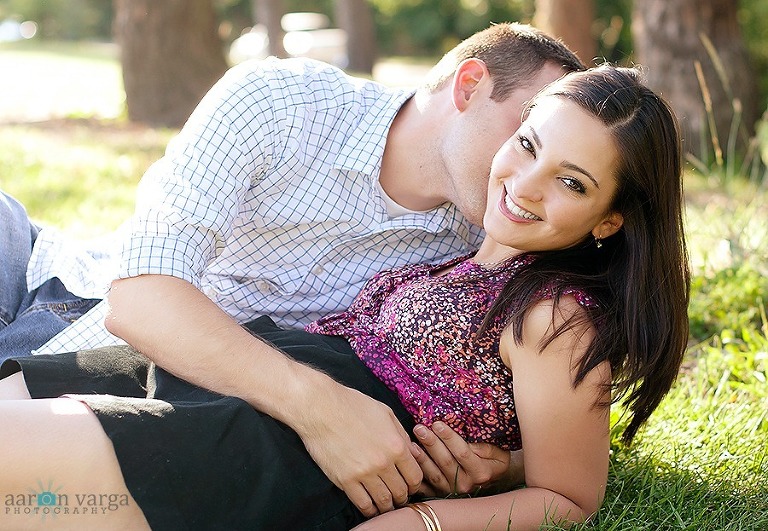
[(552, 183)]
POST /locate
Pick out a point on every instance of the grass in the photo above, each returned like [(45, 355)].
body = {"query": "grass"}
[(702, 461), (68, 153), (60, 80), (78, 175)]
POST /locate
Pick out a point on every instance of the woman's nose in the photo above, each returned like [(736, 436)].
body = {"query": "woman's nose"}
[(526, 184)]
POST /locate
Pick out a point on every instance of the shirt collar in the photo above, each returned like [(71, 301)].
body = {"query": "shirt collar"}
[(363, 148)]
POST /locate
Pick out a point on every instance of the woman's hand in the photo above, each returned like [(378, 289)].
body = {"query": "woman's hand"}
[(453, 466)]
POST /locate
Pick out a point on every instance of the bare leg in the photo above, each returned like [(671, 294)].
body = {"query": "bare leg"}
[(58, 470), (14, 388)]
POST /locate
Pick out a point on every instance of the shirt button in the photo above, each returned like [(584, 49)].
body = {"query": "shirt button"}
[(318, 270), (264, 286), (209, 292)]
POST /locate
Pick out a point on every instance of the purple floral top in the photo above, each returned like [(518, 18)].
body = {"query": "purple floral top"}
[(416, 332)]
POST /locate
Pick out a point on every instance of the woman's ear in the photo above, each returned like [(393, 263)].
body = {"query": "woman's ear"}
[(467, 79), (609, 226)]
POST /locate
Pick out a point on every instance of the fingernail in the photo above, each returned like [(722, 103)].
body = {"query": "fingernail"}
[(415, 450), (420, 431), (438, 427)]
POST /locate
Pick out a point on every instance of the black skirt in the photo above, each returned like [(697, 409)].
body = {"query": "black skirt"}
[(194, 459)]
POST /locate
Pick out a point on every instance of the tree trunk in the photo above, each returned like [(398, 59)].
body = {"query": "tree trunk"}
[(571, 21), (171, 55), (669, 43), (355, 17), (269, 14)]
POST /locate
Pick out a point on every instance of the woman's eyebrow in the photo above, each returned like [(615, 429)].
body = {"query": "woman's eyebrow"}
[(535, 137), (565, 163), (574, 167)]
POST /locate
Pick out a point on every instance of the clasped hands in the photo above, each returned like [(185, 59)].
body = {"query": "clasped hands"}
[(362, 448)]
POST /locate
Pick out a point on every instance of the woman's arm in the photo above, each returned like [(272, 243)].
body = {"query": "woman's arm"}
[(522, 509), (565, 435), (565, 432)]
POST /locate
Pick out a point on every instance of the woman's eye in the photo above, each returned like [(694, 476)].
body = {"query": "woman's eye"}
[(526, 145), (574, 184)]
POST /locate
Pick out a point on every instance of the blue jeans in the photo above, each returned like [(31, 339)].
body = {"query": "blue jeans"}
[(28, 319)]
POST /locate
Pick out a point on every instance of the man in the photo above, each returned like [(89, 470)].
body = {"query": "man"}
[(290, 185)]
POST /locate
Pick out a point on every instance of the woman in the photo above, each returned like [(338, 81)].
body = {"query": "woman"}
[(578, 294)]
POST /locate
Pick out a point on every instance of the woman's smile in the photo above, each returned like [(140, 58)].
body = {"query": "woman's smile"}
[(515, 212)]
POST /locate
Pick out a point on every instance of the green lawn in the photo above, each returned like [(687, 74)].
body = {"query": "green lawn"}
[(61, 79), (67, 152), (701, 463), (78, 175)]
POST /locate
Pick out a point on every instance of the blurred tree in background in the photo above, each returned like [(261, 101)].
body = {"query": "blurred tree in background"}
[(432, 27), (572, 21), (269, 13), (753, 20), (355, 17), (696, 56), (171, 55)]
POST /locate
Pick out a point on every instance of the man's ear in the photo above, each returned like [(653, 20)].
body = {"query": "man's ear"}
[(466, 81), (609, 226)]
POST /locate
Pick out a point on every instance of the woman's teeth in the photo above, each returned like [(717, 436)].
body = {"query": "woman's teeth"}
[(519, 212)]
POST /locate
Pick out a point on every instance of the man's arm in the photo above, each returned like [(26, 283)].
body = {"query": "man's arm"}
[(355, 440)]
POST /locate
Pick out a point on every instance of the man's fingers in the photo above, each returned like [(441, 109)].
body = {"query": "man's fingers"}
[(391, 488), (359, 496), (370, 460), (396, 492), (395, 481), (411, 471)]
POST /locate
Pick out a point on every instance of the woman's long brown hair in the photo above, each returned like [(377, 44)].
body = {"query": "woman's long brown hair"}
[(639, 277)]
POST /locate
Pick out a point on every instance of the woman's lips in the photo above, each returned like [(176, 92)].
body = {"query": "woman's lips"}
[(513, 211)]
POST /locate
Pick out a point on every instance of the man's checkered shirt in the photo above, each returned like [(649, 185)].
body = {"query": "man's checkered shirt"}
[(267, 201)]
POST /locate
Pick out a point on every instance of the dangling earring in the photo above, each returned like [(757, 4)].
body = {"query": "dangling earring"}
[(598, 242)]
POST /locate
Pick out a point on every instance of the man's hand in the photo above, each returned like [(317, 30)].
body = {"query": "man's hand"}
[(356, 441), (362, 448), (453, 466)]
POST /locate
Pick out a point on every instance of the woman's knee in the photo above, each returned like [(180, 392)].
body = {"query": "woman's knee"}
[(61, 441), (14, 387)]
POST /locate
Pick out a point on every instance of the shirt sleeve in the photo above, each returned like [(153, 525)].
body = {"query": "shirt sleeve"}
[(187, 202)]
